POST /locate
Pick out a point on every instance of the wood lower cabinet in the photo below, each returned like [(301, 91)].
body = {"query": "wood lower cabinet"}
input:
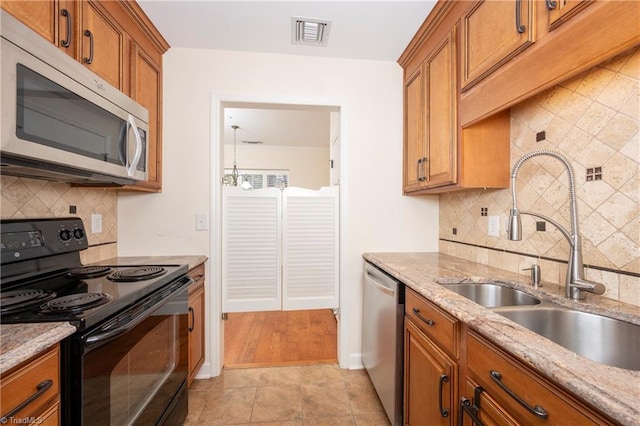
[(451, 367), (196, 321), (30, 392), (430, 366), (515, 393), (430, 381), (560, 11)]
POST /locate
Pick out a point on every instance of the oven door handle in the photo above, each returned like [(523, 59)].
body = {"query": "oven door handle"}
[(140, 313)]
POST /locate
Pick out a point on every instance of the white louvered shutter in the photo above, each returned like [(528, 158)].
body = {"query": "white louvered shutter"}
[(251, 250), (310, 248)]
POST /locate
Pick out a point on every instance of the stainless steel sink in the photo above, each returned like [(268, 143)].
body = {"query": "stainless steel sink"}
[(605, 340), (493, 295)]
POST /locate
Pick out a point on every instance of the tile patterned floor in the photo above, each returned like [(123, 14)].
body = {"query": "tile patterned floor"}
[(303, 395)]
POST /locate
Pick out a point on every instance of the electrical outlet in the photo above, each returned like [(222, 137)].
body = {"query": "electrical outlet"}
[(202, 221), (494, 226), (96, 223)]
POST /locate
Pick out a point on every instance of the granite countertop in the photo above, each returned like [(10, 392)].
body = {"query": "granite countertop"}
[(612, 390), (192, 261), (19, 342)]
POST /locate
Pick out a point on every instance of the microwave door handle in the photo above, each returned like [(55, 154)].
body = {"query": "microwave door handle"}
[(131, 168)]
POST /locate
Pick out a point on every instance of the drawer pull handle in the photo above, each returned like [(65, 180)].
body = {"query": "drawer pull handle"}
[(42, 387), (425, 320), (471, 410), (537, 411), (551, 4), (443, 411)]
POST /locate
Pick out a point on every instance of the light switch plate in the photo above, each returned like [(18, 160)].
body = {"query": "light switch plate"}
[(202, 221), (96, 223), (494, 226)]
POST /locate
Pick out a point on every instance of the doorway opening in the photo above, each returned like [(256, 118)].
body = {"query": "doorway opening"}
[(280, 338), (302, 143)]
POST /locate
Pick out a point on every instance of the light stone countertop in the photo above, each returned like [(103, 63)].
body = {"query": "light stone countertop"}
[(612, 390), (19, 342)]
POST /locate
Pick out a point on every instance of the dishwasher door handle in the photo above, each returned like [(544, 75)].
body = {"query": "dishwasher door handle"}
[(383, 288)]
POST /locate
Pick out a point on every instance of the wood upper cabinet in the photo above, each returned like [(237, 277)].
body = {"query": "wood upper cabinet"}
[(118, 42), (102, 44), (146, 89), (40, 16), (492, 33), (33, 389), (196, 321), (430, 120), (439, 154), (569, 39)]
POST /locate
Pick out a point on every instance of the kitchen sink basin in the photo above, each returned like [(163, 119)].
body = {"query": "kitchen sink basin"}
[(605, 340), (493, 295)]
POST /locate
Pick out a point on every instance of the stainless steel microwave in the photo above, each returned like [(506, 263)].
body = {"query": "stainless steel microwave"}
[(62, 122)]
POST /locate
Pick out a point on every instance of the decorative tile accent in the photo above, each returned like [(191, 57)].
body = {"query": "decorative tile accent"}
[(32, 198), (593, 119)]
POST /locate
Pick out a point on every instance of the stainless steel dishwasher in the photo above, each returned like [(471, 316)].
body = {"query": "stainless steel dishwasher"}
[(382, 336)]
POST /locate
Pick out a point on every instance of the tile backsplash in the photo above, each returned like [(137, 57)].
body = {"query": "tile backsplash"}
[(32, 198), (593, 120)]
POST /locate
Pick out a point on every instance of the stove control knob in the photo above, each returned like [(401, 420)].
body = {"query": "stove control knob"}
[(65, 235), (78, 234)]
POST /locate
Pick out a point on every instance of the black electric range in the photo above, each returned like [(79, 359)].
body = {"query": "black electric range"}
[(132, 323)]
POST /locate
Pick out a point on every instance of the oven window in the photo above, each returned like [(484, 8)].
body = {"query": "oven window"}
[(51, 115), (132, 379)]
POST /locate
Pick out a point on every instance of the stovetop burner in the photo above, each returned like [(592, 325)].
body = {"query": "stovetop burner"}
[(23, 299), (75, 303), (137, 274), (90, 272)]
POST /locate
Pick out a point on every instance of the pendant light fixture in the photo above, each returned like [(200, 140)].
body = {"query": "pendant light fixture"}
[(234, 173)]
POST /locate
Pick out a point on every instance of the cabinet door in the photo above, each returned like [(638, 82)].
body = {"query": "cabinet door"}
[(414, 116), (196, 322), (441, 114), (38, 15), (429, 380), (69, 27), (146, 89), (475, 402), (492, 33), (560, 11), (102, 44)]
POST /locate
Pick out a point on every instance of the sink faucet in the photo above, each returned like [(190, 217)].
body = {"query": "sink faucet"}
[(575, 285)]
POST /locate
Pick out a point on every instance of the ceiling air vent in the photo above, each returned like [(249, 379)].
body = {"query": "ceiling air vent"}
[(310, 32)]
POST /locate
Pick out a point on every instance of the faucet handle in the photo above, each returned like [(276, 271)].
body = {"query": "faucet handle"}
[(535, 275)]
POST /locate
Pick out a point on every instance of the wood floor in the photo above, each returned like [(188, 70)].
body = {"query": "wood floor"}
[(279, 338)]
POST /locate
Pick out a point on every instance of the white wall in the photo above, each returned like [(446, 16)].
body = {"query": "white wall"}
[(308, 166), (374, 214)]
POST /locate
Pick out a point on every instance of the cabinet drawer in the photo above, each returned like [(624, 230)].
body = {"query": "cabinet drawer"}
[(491, 367), (437, 324), (23, 383)]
